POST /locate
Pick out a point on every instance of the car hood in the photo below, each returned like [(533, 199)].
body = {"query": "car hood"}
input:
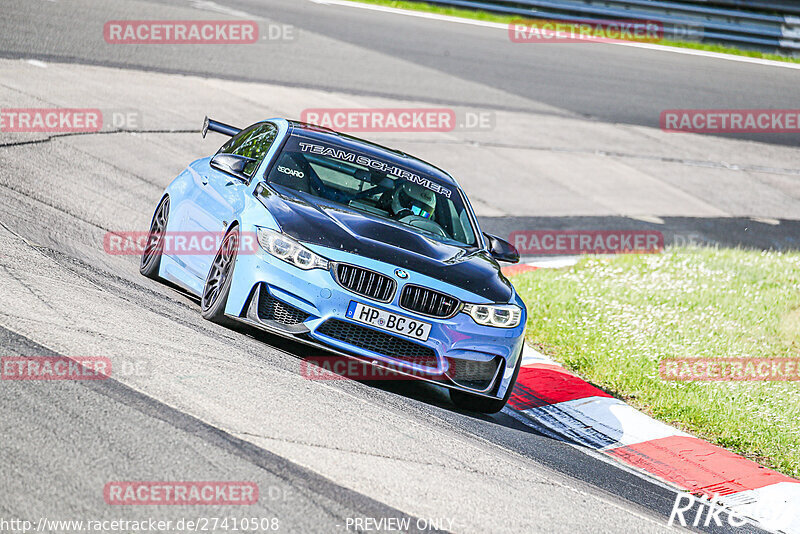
[(313, 220)]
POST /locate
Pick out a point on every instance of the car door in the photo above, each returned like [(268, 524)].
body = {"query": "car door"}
[(220, 194)]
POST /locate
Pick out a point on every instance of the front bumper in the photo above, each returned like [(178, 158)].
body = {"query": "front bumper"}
[(457, 352)]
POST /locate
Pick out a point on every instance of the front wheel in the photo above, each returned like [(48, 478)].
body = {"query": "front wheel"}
[(475, 403), (219, 279)]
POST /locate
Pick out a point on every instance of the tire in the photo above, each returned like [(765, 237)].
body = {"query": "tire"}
[(475, 403), (219, 279), (151, 256)]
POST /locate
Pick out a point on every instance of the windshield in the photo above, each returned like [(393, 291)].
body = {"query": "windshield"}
[(375, 185)]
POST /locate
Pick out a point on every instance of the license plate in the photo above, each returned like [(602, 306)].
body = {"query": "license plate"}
[(391, 322)]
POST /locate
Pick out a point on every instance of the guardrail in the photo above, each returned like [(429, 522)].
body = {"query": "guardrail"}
[(763, 24), (776, 6)]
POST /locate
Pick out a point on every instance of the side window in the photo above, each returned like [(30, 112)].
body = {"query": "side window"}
[(468, 236), (253, 142)]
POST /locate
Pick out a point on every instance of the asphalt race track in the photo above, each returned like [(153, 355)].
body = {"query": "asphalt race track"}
[(574, 143)]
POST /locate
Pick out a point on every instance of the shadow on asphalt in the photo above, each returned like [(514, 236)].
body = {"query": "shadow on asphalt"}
[(557, 453), (411, 388)]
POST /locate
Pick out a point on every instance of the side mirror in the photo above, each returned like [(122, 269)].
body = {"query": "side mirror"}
[(232, 164), (502, 250)]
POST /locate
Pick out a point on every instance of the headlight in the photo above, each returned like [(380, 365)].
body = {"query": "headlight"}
[(287, 249), (499, 315)]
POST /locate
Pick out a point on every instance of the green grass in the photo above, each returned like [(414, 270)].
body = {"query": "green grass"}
[(612, 319), (505, 19)]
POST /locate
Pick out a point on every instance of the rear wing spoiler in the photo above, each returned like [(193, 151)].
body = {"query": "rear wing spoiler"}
[(219, 127)]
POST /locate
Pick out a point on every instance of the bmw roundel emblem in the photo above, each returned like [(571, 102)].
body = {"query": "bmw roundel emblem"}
[(401, 274)]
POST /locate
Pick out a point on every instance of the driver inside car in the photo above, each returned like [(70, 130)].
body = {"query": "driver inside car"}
[(413, 200)]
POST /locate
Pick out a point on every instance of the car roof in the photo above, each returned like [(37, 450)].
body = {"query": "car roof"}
[(321, 133)]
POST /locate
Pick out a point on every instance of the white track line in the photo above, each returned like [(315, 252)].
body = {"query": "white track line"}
[(504, 27), (207, 5)]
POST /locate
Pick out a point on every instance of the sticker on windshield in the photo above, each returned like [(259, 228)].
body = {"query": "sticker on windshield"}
[(291, 172), (377, 164)]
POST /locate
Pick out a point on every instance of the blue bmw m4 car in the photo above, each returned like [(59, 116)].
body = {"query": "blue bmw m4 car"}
[(361, 250)]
